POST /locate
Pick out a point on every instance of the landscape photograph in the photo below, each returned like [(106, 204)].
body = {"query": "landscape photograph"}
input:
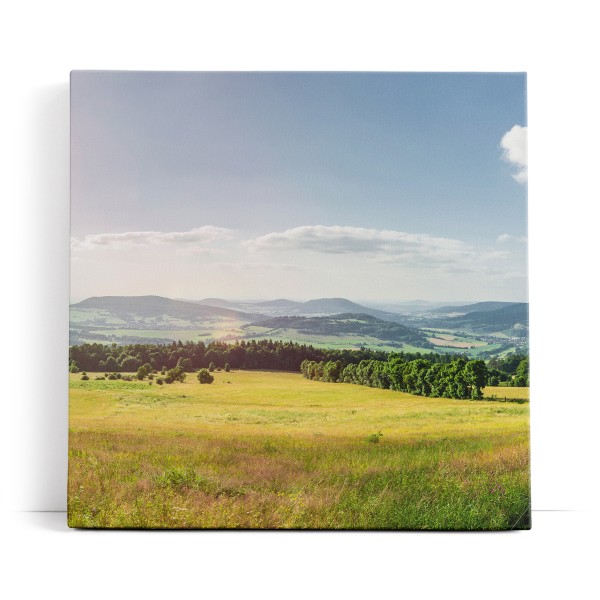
[(299, 300)]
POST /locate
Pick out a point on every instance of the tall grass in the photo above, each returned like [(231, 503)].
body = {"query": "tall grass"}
[(273, 450)]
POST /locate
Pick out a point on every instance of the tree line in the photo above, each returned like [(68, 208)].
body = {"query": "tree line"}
[(442, 374), (459, 378), (254, 354), (512, 369)]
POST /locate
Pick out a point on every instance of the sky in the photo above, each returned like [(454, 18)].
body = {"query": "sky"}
[(377, 187)]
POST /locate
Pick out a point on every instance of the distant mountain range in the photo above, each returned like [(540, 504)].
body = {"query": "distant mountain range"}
[(317, 307), (124, 319)]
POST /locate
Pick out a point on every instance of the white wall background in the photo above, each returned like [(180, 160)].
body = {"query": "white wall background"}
[(42, 41)]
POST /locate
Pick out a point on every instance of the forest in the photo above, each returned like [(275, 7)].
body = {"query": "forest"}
[(418, 373)]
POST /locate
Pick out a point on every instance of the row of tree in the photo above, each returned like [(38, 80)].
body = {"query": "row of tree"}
[(261, 354), (513, 369), (373, 367), (459, 378)]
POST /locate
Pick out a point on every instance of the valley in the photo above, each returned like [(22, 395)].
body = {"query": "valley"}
[(482, 330)]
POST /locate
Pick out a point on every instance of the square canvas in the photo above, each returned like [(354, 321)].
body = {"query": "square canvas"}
[(299, 301)]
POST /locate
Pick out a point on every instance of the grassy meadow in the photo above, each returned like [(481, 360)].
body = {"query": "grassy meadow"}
[(274, 450)]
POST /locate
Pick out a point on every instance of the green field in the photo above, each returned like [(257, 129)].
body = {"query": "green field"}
[(275, 450)]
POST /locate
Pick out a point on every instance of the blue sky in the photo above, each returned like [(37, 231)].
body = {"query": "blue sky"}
[(373, 186)]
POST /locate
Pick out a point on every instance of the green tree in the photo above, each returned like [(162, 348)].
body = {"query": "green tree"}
[(522, 376), (332, 371), (175, 374), (111, 365), (131, 364), (475, 373), (185, 364), (142, 372), (204, 376), (211, 367)]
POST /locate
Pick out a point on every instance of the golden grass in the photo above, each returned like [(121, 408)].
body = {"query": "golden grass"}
[(274, 450)]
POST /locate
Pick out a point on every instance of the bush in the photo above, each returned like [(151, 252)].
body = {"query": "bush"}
[(204, 376), (176, 374), (159, 381), (211, 367), (113, 376), (227, 368), (73, 368), (84, 376), (374, 437)]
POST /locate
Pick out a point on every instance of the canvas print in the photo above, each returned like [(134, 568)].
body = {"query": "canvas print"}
[(299, 301)]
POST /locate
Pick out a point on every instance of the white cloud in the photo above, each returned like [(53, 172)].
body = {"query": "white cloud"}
[(381, 244), (506, 237), (514, 145), (191, 240)]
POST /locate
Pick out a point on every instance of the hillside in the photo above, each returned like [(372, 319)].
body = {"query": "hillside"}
[(145, 307), (348, 325), (474, 308), (512, 319), (317, 307), (150, 319)]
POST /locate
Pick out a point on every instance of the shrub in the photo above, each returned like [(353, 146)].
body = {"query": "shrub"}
[(227, 368), (176, 374), (204, 376), (374, 437), (84, 376), (159, 381), (112, 376), (211, 367), (73, 368)]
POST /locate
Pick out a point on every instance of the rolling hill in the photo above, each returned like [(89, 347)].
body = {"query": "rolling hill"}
[(345, 325), (316, 307), (330, 322), (156, 306), (474, 308), (512, 320)]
